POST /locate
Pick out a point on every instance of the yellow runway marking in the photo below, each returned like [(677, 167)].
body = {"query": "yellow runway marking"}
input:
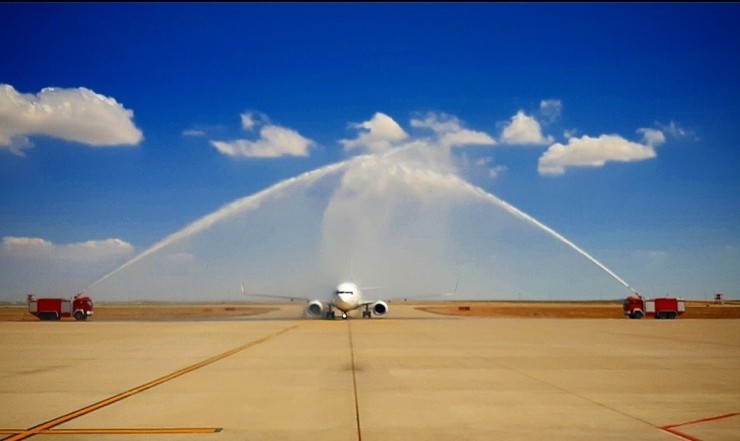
[(43, 427), (123, 431)]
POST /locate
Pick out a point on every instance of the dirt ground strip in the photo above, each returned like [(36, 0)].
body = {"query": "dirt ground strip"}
[(153, 312), (173, 311), (694, 309)]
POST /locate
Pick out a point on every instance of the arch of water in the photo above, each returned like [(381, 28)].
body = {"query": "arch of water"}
[(391, 220)]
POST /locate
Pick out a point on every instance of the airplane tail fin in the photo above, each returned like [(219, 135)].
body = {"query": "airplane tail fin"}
[(241, 284), (453, 293)]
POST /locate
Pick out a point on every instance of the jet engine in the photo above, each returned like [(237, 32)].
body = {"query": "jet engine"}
[(316, 308), (379, 308)]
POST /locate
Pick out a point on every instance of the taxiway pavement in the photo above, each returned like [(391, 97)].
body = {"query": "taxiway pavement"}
[(409, 376)]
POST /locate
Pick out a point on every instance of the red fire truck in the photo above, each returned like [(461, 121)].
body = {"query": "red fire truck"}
[(80, 307), (636, 306)]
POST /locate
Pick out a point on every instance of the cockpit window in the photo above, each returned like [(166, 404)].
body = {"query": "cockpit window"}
[(344, 292)]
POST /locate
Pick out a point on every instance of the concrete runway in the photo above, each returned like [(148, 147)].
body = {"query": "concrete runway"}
[(410, 376)]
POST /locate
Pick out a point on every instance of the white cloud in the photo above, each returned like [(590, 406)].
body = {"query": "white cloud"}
[(450, 131), (275, 141), (524, 129), (493, 172), (652, 137), (78, 115), (250, 120), (247, 121), (497, 171), (676, 131), (89, 251), (591, 152), (17, 145), (380, 135), (551, 109), (193, 133), (466, 137), (439, 123), (27, 246)]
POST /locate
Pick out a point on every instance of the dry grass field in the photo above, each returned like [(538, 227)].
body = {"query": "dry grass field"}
[(174, 311)]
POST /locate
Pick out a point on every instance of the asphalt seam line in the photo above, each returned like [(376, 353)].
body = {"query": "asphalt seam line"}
[(532, 377), (36, 430), (354, 381)]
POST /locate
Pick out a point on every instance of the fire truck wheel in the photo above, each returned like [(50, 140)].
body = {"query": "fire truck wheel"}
[(79, 315), (636, 315)]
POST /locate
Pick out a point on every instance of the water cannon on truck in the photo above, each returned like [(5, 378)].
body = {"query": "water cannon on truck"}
[(636, 307), (80, 307)]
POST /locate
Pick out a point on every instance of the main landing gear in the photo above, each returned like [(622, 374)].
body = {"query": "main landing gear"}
[(330, 315)]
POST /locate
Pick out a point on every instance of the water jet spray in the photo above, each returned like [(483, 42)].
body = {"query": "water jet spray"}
[(377, 178), (241, 205)]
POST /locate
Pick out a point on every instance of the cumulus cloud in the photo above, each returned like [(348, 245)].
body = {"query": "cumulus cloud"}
[(652, 137), (591, 152), (27, 246), (655, 137), (524, 129), (551, 109), (381, 133), (439, 123), (250, 120), (77, 115), (247, 122), (89, 251), (274, 142), (450, 131)]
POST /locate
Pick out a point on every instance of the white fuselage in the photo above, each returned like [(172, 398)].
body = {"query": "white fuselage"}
[(347, 297)]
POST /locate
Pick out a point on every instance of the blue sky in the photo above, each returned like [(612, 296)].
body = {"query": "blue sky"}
[(650, 90)]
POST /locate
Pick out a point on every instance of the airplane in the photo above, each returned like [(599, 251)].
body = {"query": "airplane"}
[(346, 297)]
